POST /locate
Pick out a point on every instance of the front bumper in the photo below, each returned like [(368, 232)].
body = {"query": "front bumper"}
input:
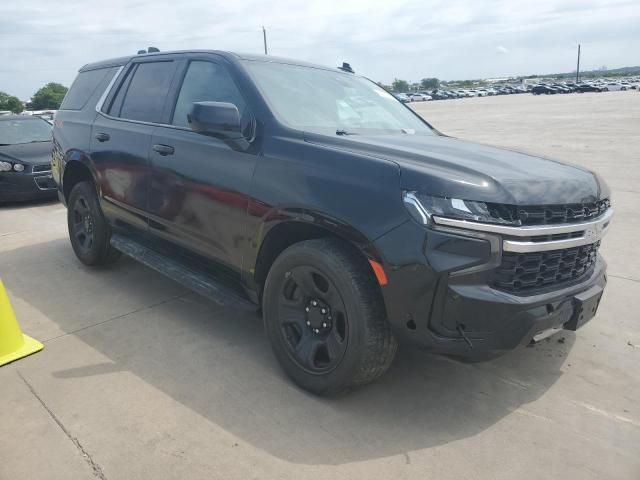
[(429, 301), (496, 322), (17, 187)]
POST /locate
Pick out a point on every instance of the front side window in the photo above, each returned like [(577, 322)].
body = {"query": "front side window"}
[(207, 82), (143, 96), (325, 101), (27, 130)]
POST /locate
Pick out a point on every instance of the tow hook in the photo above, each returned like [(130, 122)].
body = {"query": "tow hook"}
[(460, 329)]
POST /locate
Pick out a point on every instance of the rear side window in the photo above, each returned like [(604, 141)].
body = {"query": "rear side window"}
[(143, 96), (85, 86)]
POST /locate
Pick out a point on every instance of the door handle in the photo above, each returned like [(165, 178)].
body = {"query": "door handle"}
[(163, 149), (102, 137)]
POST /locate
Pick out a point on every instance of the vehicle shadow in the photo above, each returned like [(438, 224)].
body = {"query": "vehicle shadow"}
[(218, 363)]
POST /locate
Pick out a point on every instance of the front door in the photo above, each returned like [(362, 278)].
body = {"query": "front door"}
[(198, 192)]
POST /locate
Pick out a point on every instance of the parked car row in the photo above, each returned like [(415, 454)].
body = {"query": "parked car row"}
[(47, 115), (570, 87), (547, 88), (440, 94), (44, 114)]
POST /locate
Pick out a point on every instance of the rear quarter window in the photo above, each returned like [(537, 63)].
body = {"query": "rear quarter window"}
[(85, 86)]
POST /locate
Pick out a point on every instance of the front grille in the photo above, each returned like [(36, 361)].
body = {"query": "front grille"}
[(45, 182), (44, 167), (549, 214), (526, 273), (556, 236)]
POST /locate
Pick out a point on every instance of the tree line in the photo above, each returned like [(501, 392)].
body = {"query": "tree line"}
[(48, 97), (402, 86)]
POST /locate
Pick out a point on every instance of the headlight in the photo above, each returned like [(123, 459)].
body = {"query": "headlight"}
[(423, 207), (5, 167), (18, 167)]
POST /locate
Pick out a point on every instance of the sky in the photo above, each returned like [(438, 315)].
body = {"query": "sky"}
[(48, 41)]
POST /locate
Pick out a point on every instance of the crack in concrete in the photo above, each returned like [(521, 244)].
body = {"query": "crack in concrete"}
[(10, 233), (97, 471), (627, 191), (141, 309), (609, 415), (624, 278)]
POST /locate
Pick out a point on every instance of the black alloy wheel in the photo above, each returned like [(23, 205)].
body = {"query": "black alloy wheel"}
[(325, 317), (313, 320), (83, 223), (89, 232)]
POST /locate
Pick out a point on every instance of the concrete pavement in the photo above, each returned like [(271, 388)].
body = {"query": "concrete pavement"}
[(142, 379)]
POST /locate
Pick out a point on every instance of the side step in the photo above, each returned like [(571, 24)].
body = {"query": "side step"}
[(214, 287)]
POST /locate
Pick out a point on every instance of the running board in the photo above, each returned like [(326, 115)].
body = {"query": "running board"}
[(211, 286)]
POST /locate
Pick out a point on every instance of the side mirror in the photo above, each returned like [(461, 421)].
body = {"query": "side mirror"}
[(220, 120), (217, 119)]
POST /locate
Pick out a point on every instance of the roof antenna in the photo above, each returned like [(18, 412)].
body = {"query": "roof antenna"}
[(140, 52), (346, 68), (153, 50)]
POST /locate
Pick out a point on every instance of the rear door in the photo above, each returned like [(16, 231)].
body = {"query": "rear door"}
[(121, 137), (199, 193)]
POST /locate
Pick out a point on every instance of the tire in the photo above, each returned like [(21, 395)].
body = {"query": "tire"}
[(325, 317), (89, 232)]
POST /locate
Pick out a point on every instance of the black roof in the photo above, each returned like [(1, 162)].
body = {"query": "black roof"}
[(284, 60), (116, 62), (112, 62)]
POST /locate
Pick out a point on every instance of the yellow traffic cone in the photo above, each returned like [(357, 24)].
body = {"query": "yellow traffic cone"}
[(13, 344)]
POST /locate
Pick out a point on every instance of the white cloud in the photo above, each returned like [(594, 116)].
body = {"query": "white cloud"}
[(502, 50), (48, 41)]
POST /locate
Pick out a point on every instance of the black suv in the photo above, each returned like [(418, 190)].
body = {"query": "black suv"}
[(544, 89), (586, 87), (345, 216)]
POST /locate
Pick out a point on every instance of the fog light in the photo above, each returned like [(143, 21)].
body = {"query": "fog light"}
[(5, 167), (18, 167)]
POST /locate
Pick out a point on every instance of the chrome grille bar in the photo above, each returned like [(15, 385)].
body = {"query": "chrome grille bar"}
[(590, 232)]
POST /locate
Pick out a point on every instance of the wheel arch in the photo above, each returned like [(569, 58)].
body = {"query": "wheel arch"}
[(299, 228), (75, 171)]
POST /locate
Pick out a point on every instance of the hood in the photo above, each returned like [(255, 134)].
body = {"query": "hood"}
[(445, 166), (27, 153)]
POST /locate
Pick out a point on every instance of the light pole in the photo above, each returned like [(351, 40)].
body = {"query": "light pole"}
[(578, 68), (264, 37)]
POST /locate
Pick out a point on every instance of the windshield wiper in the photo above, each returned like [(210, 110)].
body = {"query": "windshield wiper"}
[(343, 132)]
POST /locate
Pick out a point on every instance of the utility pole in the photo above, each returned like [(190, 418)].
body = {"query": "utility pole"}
[(578, 68), (264, 37)]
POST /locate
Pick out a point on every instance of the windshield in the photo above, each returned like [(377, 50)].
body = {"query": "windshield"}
[(313, 99), (24, 130)]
